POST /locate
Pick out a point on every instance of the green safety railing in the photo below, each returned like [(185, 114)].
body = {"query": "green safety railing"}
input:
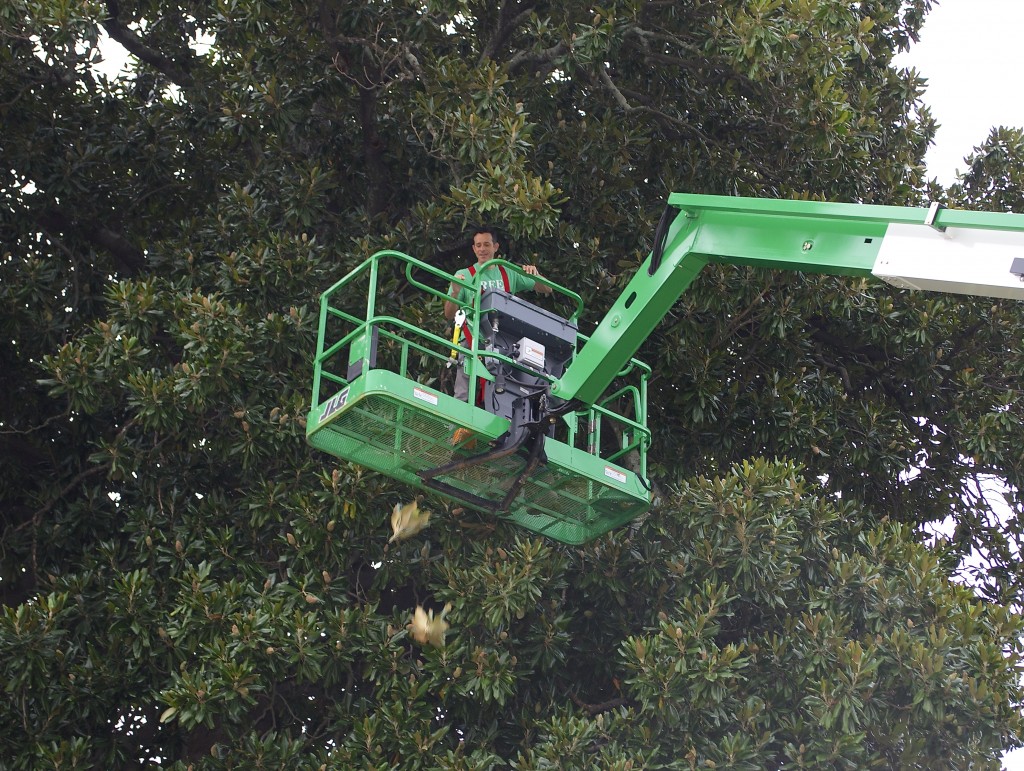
[(378, 401)]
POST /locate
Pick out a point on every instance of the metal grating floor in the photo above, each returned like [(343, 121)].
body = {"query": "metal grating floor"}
[(398, 439)]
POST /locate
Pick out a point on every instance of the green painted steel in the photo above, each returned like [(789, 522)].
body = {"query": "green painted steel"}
[(849, 212), (376, 403), (375, 397), (807, 236), (641, 306)]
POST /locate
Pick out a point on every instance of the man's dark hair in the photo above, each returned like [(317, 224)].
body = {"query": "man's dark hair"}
[(485, 228)]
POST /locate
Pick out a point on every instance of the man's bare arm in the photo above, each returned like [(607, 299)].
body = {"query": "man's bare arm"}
[(531, 270), (449, 309)]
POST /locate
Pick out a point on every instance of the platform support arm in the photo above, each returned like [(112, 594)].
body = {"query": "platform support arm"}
[(942, 247), (636, 312)]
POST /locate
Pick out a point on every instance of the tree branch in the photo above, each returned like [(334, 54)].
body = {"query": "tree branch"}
[(37, 516), (510, 17), (129, 258), (377, 177), (606, 79), (524, 59), (595, 709), (177, 72)]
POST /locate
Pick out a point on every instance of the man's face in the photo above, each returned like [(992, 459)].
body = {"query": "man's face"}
[(485, 246)]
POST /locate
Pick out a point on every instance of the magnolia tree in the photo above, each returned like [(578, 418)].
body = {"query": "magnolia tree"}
[(185, 583)]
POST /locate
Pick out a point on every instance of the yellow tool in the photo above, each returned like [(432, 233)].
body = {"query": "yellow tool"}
[(460, 319)]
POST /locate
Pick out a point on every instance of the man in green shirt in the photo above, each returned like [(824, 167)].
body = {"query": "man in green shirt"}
[(484, 276)]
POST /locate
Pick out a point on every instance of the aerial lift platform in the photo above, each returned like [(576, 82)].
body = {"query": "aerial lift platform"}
[(555, 429)]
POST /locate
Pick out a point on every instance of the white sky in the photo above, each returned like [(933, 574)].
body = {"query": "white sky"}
[(970, 52)]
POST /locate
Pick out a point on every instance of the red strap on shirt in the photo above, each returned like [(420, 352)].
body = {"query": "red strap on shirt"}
[(481, 383), (501, 270)]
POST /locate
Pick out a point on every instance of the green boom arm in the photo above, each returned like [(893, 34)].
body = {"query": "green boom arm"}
[(977, 253)]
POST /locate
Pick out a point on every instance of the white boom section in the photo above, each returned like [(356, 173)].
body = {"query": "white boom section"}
[(970, 261)]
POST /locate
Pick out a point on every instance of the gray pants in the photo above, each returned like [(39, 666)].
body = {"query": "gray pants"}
[(461, 382)]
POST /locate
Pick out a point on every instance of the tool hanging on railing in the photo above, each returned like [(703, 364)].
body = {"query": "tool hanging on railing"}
[(460, 319)]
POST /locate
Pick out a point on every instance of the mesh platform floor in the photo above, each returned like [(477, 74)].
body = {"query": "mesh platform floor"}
[(399, 440)]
